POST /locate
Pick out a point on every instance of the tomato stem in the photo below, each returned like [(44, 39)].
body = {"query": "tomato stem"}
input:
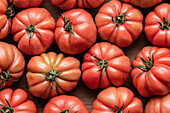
[(164, 24), (117, 110), (68, 111), (6, 109), (10, 10)]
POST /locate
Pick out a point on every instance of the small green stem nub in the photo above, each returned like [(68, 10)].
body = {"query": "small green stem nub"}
[(6, 109), (118, 110), (164, 24), (68, 111), (10, 10)]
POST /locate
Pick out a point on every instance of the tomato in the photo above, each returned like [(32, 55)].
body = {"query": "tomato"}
[(105, 64), (117, 100), (33, 30), (51, 74), (119, 23), (26, 3), (65, 104), (151, 71), (6, 12), (12, 64), (16, 102), (75, 31), (159, 104), (69, 4), (143, 3), (157, 26)]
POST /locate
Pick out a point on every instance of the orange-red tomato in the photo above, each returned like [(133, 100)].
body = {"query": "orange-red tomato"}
[(12, 64), (119, 23), (16, 102), (159, 104), (51, 74), (118, 100), (157, 26), (65, 104), (143, 3), (151, 71), (69, 4), (105, 64), (33, 30), (75, 31)]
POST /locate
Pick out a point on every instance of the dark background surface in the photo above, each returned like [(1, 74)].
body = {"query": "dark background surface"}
[(81, 91)]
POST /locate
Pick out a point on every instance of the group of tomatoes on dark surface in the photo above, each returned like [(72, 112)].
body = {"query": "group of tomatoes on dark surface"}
[(104, 64)]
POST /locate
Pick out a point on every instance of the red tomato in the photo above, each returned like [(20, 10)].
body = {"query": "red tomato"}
[(65, 104), (119, 23), (26, 3), (157, 26), (105, 64), (151, 71), (33, 30), (69, 4), (159, 104), (16, 102), (6, 12), (51, 74), (143, 3), (118, 100), (75, 31), (12, 64)]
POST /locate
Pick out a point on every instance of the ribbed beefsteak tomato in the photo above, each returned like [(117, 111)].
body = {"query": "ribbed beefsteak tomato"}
[(117, 100), (75, 31), (51, 74), (65, 104), (12, 64), (119, 23), (151, 71), (105, 64), (157, 26), (159, 104), (69, 4), (33, 30)]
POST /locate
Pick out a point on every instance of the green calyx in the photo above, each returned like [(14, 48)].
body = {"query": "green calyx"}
[(52, 75), (164, 24), (68, 111), (6, 109), (68, 27), (5, 76), (10, 10), (120, 19), (101, 63), (118, 110)]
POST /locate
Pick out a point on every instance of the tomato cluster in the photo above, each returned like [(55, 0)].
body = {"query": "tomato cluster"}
[(103, 65)]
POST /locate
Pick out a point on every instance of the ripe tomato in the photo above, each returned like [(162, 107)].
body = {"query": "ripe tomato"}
[(118, 100), (12, 64), (75, 31), (159, 104), (143, 3), (16, 102), (69, 4), (65, 104), (105, 64), (51, 74), (157, 26), (151, 71), (33, 30), (119, 23), (26, 3), (6, 12)]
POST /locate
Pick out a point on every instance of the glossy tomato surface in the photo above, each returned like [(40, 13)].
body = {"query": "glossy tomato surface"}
[(17, 101), (65, 104)]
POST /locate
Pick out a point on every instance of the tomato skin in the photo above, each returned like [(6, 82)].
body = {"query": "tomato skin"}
[(153, 31), (117, 69), (18, 100), (5, 25), (155, 81), (11, 59), (143, 3), (84, 32), (69, 4), (38, 66), (42, 37), (59, 103), (112, 97), (159, 104)]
